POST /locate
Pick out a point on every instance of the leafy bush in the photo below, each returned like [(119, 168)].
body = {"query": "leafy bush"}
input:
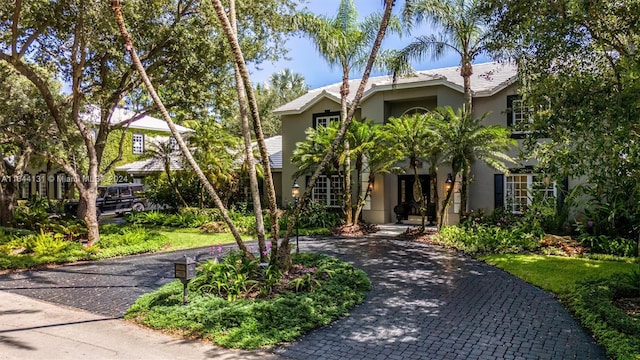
[(129, 240), (604, 244), (185, 218), (314, 215), (592, 303), (487, 239), (255, 323)]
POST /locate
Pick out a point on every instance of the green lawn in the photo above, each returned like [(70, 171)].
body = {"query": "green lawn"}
[(193, 238), (554, 273)]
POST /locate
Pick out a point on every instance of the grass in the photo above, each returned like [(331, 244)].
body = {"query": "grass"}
[(179, 239), (555, 273), (251, 323), (588, 288)]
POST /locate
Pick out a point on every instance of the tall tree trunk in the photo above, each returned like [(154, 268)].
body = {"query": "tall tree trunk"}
[(417, 183), (344, 93), (115, 4), (345, 122), (283, 260), (89, 214), (7, 202), (248, 148), (466, 70), (445, 203), (464, 190), (364, 198), (433, 174), (348, 206)]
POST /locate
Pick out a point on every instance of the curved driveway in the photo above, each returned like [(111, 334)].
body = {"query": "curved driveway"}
[(425, 303)]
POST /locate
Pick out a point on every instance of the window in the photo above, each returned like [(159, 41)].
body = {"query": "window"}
[(521, 114), (25, 186), (138, 144), (173, 144), (324, 119), (518, 115), (41, 185), (328, 191), (520, 190), (61, 185)]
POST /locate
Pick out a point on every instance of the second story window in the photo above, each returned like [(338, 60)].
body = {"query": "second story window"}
[(173, 144), (324, 119), (518, 115), (138, 144)]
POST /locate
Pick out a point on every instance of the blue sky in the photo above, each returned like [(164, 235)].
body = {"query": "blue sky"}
[(304, 58)]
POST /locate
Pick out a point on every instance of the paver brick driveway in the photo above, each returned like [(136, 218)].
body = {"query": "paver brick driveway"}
[(425, 303)]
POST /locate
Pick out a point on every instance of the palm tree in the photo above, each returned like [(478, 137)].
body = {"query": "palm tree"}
[(411, 136), (466, 140), (373, 155), (344, 41), (162, 152), (463, 32)]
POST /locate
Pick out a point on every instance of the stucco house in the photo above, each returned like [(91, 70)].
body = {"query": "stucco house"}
[(47, 180), (494, 90)]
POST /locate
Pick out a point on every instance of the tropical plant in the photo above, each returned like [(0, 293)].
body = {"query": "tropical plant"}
[(466, 140), (162, 152), (463, 31), (411, 136), (344, 41)]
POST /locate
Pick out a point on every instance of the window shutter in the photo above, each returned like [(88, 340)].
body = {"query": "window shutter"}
[(498, 190), (562, 191), (510, 99), (315, 122)]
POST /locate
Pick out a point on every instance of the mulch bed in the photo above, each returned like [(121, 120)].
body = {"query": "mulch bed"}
[(354, 230)]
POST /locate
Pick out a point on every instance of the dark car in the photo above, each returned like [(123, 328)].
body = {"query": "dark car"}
[(116, 199)]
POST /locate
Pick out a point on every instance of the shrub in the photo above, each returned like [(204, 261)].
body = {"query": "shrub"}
[(592, 303), (255, 323), (604, 244), (487, 239), (129, 240)]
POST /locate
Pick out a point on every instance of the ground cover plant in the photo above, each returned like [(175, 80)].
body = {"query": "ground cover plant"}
[(236, 303), (27, 249)]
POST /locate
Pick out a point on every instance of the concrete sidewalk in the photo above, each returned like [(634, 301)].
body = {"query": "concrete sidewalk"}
[(32, 329)]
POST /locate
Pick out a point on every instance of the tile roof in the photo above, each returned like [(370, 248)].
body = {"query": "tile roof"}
[(487, 79)]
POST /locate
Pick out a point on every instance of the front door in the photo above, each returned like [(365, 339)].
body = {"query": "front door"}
[(409, 194)]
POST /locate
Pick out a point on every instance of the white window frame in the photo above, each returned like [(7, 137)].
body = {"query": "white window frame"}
[(137, 147), (518, 198), (324, 121), (173, 144), (42, 187), (25, 186), (328, 191), (520, 116), (61, 185)]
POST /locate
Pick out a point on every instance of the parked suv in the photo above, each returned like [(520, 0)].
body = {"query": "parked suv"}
[(116, 199)]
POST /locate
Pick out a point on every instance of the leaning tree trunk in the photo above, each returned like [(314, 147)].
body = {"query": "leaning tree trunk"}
[(248, 148), (284, 260), (115, 5)]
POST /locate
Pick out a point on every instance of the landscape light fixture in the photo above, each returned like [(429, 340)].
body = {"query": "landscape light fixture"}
[(448, 183)]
